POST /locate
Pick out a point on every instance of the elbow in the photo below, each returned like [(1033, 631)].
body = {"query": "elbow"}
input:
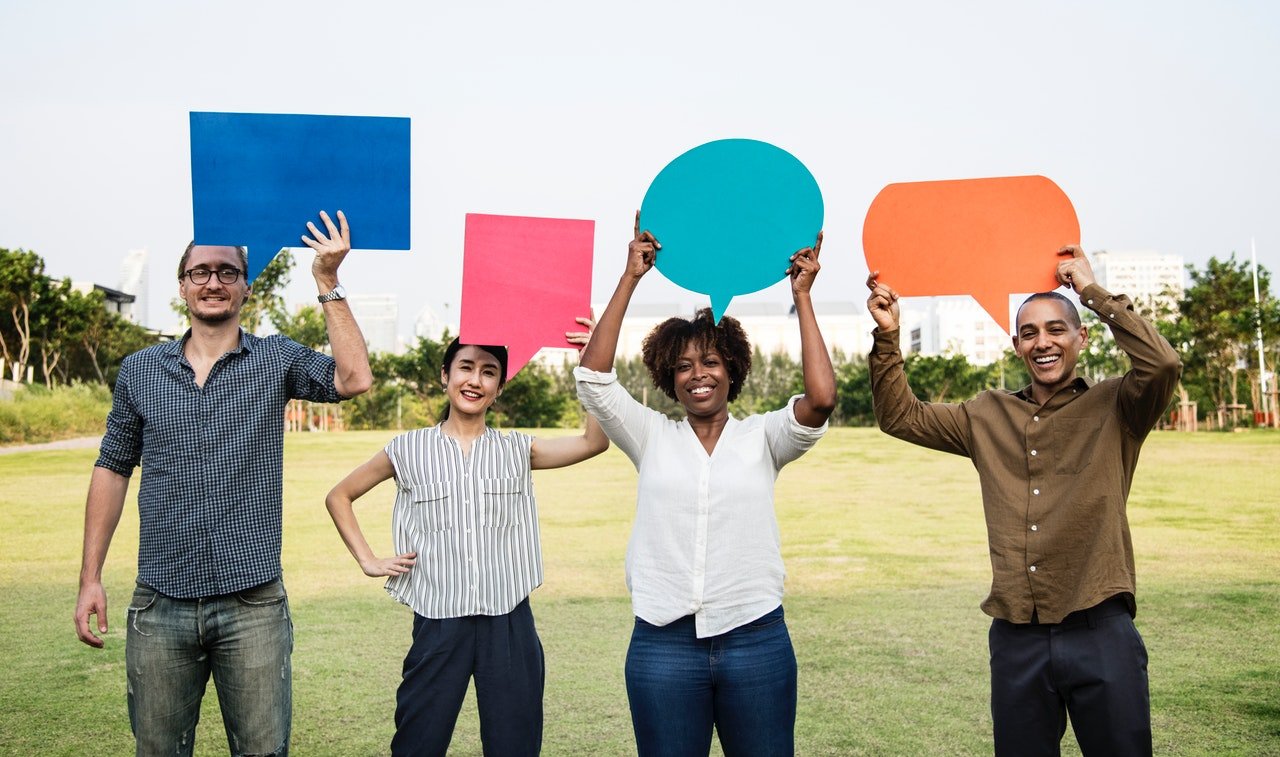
[(355, 385), (599, 445)]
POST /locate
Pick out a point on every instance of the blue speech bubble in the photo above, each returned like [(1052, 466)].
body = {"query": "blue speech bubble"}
[(257, 178), (729, 214)]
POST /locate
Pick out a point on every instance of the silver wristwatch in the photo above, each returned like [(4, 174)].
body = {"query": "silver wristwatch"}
[(339, 293)]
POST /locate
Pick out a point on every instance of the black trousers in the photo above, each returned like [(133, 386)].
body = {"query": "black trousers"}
[(1092, 665), (504, 655)]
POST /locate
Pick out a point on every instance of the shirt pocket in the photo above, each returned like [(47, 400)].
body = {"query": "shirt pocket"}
[(503, 500), (431, 510), (1074, 440)]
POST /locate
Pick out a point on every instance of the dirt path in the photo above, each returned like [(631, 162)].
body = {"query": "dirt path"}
[(78, 443)]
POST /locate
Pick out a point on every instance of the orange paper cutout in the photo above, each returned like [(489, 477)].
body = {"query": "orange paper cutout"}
[(988, 238)]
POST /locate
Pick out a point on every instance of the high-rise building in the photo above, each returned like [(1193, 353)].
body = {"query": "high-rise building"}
[(1149, 278), (378, 316), (135, 279)]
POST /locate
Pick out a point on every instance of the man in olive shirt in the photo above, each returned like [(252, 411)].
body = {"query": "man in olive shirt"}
[(1055, 461)]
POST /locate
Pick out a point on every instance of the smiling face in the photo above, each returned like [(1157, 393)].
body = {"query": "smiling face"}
[(701, 381), (472, 381), (214, 302), (1049, 341)]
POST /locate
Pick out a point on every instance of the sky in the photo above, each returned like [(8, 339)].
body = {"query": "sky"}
[(1158, 120)]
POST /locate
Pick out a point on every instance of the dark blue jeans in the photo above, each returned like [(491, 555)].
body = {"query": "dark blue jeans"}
[(742, 683), (1092, 665), (503, 654), (173, 645)]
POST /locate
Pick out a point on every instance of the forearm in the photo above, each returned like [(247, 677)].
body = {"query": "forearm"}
[(600, 351), (352, 374), (1149, 385), (815, 361), (344, 518), (102, 511)]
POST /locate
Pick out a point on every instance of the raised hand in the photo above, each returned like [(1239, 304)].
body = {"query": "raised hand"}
[(804, 267), (883, 303), (642, 252), (1075, 272)]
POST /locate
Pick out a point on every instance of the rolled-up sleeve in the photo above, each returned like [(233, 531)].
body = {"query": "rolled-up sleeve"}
[(626, 422), (121, 448), (788, 437)]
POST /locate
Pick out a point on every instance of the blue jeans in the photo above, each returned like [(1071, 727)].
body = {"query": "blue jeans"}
[(742, 682), (173, 645)]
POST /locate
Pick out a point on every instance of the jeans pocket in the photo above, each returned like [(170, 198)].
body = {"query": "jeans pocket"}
[(263, 595), (768, 620), (144, 598)]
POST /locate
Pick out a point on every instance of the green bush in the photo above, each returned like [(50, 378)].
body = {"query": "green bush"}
[(38, 414)]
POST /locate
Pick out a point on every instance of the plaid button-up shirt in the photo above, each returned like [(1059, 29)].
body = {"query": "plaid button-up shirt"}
[(212, 457)]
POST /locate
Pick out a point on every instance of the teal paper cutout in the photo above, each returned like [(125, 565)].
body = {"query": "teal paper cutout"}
[(729, 214)]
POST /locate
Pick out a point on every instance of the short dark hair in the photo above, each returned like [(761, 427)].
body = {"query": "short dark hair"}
[(186, 255), (667, 341), (499, 353), (1073, 315)]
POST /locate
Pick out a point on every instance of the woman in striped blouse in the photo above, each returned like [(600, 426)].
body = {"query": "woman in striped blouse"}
[(465, 530)]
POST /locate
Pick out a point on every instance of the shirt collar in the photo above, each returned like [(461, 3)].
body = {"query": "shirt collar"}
[(1080, 383)]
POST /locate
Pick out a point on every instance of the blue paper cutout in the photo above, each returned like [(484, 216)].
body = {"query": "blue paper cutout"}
[(729, 214), (257, 178)]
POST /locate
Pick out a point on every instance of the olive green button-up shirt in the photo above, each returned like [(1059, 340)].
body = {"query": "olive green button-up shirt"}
[(1055, 477)]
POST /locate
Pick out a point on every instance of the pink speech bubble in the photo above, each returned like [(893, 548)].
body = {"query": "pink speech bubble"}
[(988, 238), (524, 281)]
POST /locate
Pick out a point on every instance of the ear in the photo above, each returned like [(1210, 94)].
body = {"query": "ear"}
[(247, 292), (1084, 336), (444, 378)]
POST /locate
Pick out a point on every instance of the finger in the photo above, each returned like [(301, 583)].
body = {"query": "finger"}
[(817, 247), (588, 322), (343, 227), (871, 280), (315, 232), (636, 234), (328, 224)]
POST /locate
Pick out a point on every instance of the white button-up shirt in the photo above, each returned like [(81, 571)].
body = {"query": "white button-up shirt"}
[(705, 540)]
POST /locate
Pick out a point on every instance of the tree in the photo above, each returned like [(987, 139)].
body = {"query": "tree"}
[(60, 315), (1216, 327), (1101, 357), (21, 279), (306, 326), (944, 378), (530, 400)]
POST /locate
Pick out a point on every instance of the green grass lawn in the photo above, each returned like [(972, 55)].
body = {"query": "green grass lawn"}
[(887, 563)]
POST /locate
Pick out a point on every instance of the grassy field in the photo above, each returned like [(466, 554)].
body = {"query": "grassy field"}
[(887, 563)]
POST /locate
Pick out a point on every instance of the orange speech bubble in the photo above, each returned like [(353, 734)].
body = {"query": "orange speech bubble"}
[(988, 238)]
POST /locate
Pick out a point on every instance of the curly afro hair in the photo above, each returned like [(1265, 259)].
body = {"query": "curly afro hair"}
[(667, 341)]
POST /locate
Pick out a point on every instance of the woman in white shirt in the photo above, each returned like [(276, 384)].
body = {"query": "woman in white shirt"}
[(465, 526), (710, 647)]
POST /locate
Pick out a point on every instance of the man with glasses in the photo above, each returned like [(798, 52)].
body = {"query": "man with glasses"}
[(204, 416)]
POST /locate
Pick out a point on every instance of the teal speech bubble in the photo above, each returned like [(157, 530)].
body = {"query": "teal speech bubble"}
[(729, 214)]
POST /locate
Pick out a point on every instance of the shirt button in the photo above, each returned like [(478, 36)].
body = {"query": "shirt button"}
[(1035, 491), (1033, 569), (1034, 527), (1090, 302), (1035, 418), (1033, 453)]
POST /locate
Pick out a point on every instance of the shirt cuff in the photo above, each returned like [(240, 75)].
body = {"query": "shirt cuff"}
[(589, 376), (885, 342), (799, 430)]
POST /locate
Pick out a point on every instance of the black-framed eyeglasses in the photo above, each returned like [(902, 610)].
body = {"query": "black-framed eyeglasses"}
[(200, 276)]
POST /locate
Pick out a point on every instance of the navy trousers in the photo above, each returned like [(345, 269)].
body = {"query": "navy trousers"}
[(1092, 665), (503, 654)]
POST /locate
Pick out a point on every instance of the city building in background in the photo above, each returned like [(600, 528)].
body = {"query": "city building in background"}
[(135, 278), (1153, 280), (378, 315)]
